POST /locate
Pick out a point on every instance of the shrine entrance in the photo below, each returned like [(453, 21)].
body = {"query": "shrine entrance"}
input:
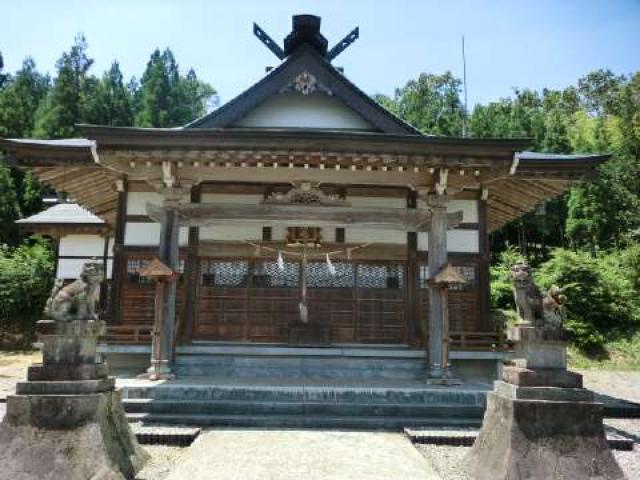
[(257, 299)]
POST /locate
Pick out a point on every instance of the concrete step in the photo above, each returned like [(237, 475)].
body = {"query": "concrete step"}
[(217, 407), (300, 421), (305, 393), (286, 366)]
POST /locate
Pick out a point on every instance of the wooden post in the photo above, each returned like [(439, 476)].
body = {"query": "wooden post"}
[(164, 277), (168, 254), (440, 284), (437, 249), (191, 280)]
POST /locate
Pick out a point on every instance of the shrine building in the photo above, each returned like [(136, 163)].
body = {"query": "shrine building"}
[(301, 216)]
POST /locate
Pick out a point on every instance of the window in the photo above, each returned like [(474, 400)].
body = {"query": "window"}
[(224, 274), (381, 276)]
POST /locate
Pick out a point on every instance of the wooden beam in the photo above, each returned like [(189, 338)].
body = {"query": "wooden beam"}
[(302, 215)]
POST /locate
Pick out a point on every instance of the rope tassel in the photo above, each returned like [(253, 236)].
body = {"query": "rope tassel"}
[(330, 266)]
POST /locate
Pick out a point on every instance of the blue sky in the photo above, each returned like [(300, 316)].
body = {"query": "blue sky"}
[(509, 44)]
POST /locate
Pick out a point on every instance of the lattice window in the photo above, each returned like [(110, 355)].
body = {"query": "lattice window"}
[(269, 274), (224, 274), (423, 275), (319, 276), (380, 276)]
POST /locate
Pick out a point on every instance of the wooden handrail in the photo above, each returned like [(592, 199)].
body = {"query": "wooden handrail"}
[(467, 340), (128, 334)]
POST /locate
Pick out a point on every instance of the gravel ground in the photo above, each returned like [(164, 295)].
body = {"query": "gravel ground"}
[(163, 459), (622, 384), (446, 461), (13, 368)]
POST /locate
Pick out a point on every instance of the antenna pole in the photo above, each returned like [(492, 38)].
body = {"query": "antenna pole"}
[(464, 79)]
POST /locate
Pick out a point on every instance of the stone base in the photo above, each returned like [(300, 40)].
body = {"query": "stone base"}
[(541, 377), (67, 371), (71, 437), (158, 372), (309, 334), (525, 435), (538, 347)]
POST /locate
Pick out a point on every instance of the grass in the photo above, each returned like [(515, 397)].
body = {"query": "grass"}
[(619, 354)]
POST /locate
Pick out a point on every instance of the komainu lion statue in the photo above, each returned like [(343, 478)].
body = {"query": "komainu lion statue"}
[(534, 307), (526, 294), (78, 300)]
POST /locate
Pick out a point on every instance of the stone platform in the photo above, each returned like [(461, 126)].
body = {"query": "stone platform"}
[(381, 404)]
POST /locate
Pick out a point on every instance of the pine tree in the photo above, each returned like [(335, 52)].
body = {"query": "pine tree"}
[(64, 105), (4, 77), (154, 95), (110, 103), (19, 100), (167, 99)]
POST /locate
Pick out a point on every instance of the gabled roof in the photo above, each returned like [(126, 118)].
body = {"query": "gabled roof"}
[(306, 59), (63, 213), (65, 219)]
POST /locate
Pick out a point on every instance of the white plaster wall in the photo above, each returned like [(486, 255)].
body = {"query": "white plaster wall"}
[(231, 232), (469, 209), (295, 110), (459, 241), (81, 245), (232, 198), (145, 233), (386, 202), (373, 235), (69, 268), (136, 202)]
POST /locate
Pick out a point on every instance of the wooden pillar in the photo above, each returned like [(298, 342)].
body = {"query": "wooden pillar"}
[(484, 281), (191, 279), (119, 268), (412, 275), (437, 309), (168, 254)]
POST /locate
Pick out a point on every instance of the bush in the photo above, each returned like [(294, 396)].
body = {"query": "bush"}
[(601, 298), (26, 277), (501, 286)]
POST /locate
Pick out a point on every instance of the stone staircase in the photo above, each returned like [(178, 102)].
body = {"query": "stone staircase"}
[(356, 388)]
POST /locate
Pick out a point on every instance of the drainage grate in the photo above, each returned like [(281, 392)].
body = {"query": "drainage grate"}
[(172, 436), (465, 438)]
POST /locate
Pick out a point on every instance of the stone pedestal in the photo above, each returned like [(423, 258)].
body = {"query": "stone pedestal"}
[(540, 424), (542, 433), (66, 421)]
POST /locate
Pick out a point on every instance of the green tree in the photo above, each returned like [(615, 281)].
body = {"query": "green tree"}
[(111, 101), (9, 208), (19, 100), (431, 103), (167, 99), (66, 102), (4, 77)]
